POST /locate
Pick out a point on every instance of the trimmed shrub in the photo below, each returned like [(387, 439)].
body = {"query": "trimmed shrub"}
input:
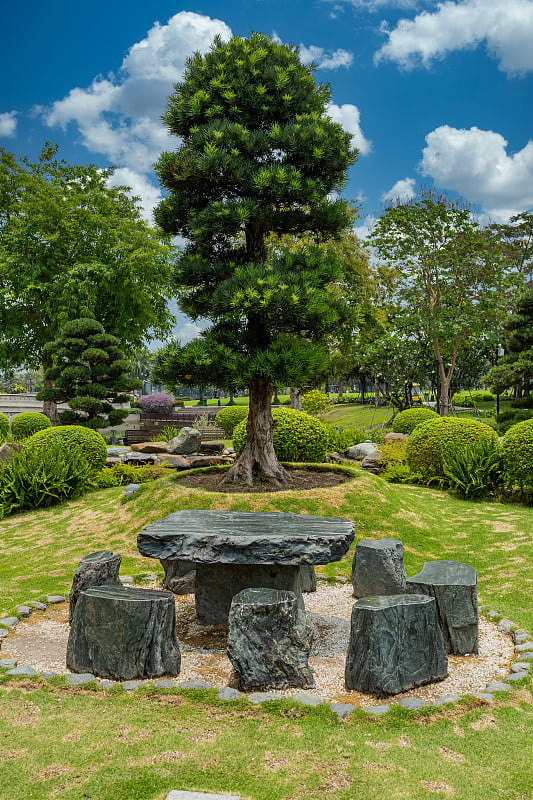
[(230, 416), (25, 425), (431, 441), (469, 399), (315, 402), (4, 427), (72, 437), (406, 421), (297, 436), (157, 402), (517, 455)]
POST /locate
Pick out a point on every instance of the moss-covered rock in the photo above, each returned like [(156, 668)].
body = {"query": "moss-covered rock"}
[(297, 436), (406, 421)]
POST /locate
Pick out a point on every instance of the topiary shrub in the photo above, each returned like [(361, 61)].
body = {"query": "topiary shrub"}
[(89, 442), (406, 421), (297, 436), (315, 402), (230, 416), (468, 399), (432, 440), (517, 455), (4, 427), (25, 425)]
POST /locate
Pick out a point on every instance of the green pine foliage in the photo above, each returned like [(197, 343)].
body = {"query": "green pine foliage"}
[(406, 421), (90, 374), (26, 424), (298, 437)]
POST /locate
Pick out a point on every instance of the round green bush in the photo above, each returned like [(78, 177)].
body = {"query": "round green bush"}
[(25, 425), (517, 454), (4, 427), (230, 416), (89, 442), (297, 436), (431, 440), (406, 421)]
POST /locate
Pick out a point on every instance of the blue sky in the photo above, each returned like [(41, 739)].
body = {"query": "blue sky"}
[(435, 93)]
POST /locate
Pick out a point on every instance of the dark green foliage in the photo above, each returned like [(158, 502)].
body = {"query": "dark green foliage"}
[(469, 399), (474, 471), (297, 436), (339, 439), (506, 419), (516, 367), (432, 441), (37, 478), (228, 417), (90, 374), (517, 455), (25, 425), (4, 427), (406, 421), (72, 437)]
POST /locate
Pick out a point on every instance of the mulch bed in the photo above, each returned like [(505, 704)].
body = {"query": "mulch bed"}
[(299, 479)]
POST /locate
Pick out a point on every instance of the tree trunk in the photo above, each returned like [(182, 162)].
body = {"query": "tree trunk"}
[(258, 457), (231, 398), (49, 406), (296, 398)]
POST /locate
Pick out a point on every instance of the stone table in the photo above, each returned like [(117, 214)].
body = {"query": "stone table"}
[(235, 550)]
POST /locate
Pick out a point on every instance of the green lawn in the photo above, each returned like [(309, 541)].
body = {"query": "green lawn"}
[(73, 744)]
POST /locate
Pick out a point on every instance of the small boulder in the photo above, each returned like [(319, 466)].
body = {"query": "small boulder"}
[(214, 448), (7, 450), (359, 451), (395, 437), (176, 461), (139, 458), (188, 441), (373, 463), (149, 447)]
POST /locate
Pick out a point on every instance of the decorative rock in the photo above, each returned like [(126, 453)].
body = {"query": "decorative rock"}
[(523, 648), (373, 463), (37, 605), (80, 679), (525, 656), (269, 640), (179, 575), (139, 458), (125, 580), (447, 698), (165, 684), (493, 614), (359, 451), (376, 709), (227, 693), (96, 569), (196, 462), (7, 663), (519, 637), (342, 709), (194, 684), (105, 684), (395, 644), (9, 622), (53, 599), (377, 568), (173, 460), (188, 441), (413, 703), (7, 450), (307, 699), (521, 666), (112, 461), (49, 674), (307, 578), (130, 686), (24, 669), (3, 633), (262, 697), (149, 447), (213, 448), (516, 676), (394, 437), (484, 696), (131, 488), (505, 625), (124, 633), (497, 686), (177, 795), (454, 587), (24, 611)]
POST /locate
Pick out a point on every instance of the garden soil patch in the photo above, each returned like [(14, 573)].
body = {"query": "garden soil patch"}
[(298, 479)]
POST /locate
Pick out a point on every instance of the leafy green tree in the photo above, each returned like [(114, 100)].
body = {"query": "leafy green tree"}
[(516, 238), (90, 374), (516, 367), (258, 155), (70, 247), (453, 275)]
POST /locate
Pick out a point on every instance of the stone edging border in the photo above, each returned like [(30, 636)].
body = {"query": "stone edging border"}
[(520, 670)]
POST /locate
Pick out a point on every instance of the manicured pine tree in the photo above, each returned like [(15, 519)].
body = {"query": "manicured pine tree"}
[(258, 155)]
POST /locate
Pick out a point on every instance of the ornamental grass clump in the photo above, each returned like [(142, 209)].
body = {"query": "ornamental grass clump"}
[(432, 441), (406, 421), (474, 471), (157, 403), (298, 437)]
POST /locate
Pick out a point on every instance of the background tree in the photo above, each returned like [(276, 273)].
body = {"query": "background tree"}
[(90, 374), (516, 238), (258, 155), (71, 246), (516, 367), (452, 275)]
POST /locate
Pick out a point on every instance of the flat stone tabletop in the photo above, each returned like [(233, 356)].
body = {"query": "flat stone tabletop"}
[(243, 537)]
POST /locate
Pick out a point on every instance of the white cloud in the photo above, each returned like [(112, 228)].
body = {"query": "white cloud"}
[(402, 190), (8, 123), (375, 5), (188, 331), (325, 59), (148, 194), (506, 27), (120, 116), (475, 163), (349, 117)]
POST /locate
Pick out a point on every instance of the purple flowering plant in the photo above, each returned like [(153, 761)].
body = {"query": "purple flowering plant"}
[(157, 402)]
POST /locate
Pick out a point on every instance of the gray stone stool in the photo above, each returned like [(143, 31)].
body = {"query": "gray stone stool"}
[(269, 639), (124, 633), (395, 644), (454, 587), (377, 568), (96, 569)]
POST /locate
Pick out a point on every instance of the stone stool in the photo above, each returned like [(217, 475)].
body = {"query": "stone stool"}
[(378, 568), (395, 644), (124, 633), (269, 639), (96, 569), (454, 587)]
